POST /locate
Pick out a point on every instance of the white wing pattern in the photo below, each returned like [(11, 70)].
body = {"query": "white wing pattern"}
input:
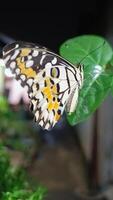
[(52, 82)]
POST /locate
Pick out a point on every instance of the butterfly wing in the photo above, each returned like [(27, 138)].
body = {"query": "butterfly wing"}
[(50, 79), (23, 59), (72, 101), (51, 92)]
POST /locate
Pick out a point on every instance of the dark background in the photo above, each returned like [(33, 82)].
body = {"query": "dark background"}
[(51, 23)]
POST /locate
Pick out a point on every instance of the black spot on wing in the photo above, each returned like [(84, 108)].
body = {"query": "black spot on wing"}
[(31, 107), (59, 112), (44, 74), (52, 82), (58, 87)]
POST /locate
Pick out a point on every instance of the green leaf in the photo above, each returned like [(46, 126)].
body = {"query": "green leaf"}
[(94, 52)]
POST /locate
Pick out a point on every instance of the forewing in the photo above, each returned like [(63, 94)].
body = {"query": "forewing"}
[(26, 60), (23, 59)]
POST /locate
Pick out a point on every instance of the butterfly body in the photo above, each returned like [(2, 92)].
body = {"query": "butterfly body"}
[(52, 82)]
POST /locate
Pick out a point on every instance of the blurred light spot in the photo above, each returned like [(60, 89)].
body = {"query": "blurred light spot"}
[(8, 73)]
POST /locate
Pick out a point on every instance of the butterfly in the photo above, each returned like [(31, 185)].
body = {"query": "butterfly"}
[(52, 83)]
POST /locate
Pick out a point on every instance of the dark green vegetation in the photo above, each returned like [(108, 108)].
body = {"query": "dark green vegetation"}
[(13, 182)]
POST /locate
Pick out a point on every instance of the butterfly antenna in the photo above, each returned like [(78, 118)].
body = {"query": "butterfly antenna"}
[(92, 51)]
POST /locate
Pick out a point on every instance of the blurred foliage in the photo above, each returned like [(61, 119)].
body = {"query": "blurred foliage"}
[(95, 54), (16, 132), (10, 119), (13, 182)]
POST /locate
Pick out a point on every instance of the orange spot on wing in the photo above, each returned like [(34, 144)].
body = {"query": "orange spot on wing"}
[(25, 52), (47, 93), (49, 96), (46, 90), (53, 105), (54, 89), (56, 105), (57, 117), (50, 106), (29, 72), (48, 83)]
